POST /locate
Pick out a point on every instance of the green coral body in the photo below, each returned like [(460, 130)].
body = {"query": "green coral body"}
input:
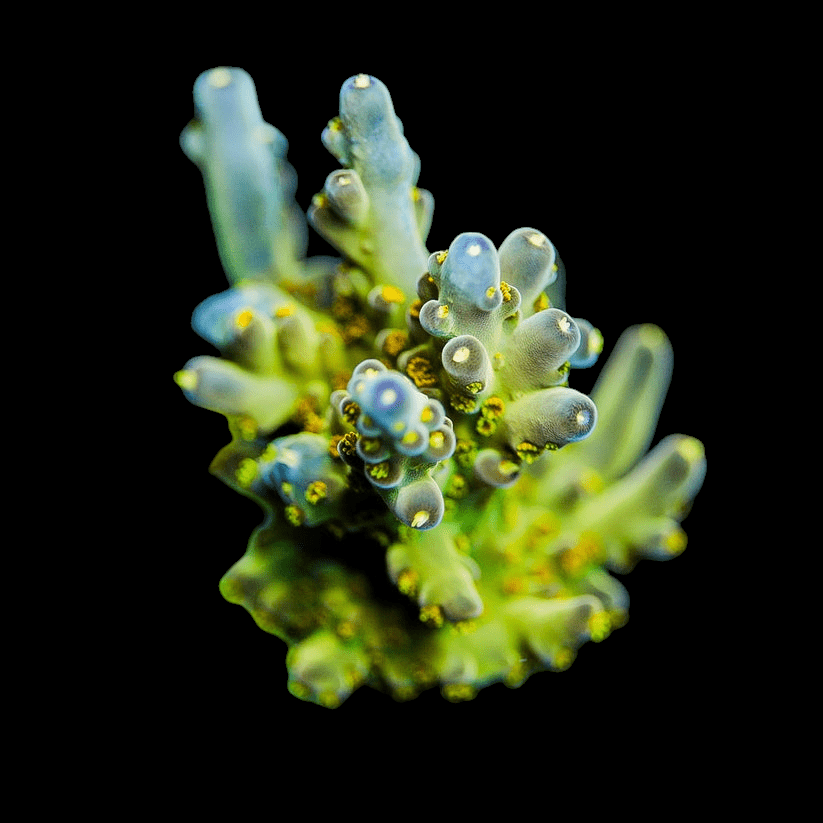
[(414, 409)]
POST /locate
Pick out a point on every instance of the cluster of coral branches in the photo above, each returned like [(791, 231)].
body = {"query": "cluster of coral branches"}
[(415, 408)]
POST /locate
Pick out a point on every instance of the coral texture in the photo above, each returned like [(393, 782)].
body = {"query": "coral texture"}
[(414, 409)]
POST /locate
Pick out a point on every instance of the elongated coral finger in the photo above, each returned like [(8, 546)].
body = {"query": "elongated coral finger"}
[(629, 394), (222, 386), (550, 418), (640, 511), (325, 670), (553, 629), (419, 504), (367, 138), (527, 262), (437, 575), (468, 365), (538, 351), (250, 187)]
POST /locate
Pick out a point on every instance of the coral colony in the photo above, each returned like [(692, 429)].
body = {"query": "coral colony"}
[(442, 508)]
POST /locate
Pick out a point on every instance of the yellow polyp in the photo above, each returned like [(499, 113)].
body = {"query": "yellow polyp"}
[(320, 201), (395, 342), (294, 515), (441, 256), (457, 486), (508, 467), (485, 426), (370, 444), (407, 582), (410, 437), (335, 124), (516, 677), (426, 415), (379, 471), (399, 426), (474, 388), (420, 519), (420, 370), (675, 541), (563, 659), (245, 472), (269, 453), (347, 443), (432, 616), (490, 291), (356, 330), (458, 692), (541, 303), (391, 294), (528, 452), (286, 310), (492, 408), (300, 690), (286, 488), (443, 311), (436, 440), (362, 81), (186, 379), (247, 427), (415, 193), (599, 626), (513, 585), (219, 78), (536, 239), (506, 289), (346, 629), (329, 700), (465, 626), (351, 411), (591, 482), (244, 318), (691, 449), (316, 491)]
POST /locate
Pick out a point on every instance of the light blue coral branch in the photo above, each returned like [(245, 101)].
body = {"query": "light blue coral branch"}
[(260, 232), (372, 210)]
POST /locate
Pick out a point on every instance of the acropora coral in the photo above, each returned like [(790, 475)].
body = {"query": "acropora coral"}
[(415, 407)]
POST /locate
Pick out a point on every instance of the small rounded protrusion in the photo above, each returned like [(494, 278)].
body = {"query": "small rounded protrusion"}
[(496, 470), (420, 504), (527, 260), (470, 272), (347, 196), (591, 345), (550, 418), (467, 363)]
